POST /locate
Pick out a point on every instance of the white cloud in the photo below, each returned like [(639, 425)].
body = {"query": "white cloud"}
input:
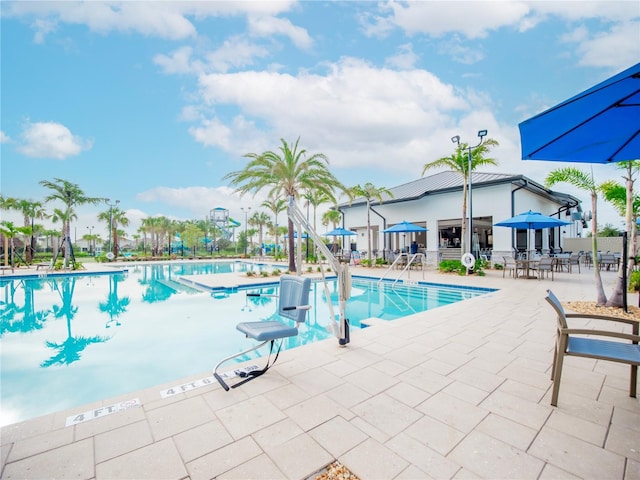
[(615, 49), (235, 52), (269, 25), (4, 138), (51, 140), (159, 19), (194, 198), (178, 62), (404, 59), (367, 116), (436, 18)]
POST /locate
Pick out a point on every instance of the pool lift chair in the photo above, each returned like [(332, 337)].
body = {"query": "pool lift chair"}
[(293, 304)]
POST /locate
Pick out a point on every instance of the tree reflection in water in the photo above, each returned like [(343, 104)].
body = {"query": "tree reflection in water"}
[(70, 349), (10, 320), (114, 306)]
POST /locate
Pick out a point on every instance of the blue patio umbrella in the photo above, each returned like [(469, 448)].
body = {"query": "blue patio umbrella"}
[(404, 227), (532, 221), (599, 125), (339, 232)]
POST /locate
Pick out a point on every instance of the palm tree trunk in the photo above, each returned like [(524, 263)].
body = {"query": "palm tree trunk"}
[(601, 297)]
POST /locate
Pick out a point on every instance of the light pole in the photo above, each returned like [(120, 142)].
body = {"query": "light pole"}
[(246, 239), (91, 250), (111, 205), (456, 140)]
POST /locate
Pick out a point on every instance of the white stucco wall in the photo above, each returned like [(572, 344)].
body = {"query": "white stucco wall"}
[(492, 201)]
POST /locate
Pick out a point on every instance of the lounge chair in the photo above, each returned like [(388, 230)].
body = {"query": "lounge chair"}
[(293, 303), (574, 342)]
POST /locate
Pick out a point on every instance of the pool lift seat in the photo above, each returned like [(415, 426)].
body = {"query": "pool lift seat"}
[(293, 304)]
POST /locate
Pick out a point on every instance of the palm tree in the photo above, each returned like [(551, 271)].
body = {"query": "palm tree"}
[(71, 195), (287, 173), (275, 205), (260, 220), (10, 231), (30, 210), (370, 192), (61, 216), (628, 205), (584, 181), (459, 163), (117, 217), (333, 217)]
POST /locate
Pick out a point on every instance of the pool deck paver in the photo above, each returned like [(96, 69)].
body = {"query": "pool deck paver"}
[(461, 391)]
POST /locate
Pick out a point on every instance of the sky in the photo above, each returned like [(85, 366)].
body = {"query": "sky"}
[(152, 103)]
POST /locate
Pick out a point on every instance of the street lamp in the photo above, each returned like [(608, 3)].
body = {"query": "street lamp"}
[(456, 140), (246, 240), (91, 249), (111, 205)]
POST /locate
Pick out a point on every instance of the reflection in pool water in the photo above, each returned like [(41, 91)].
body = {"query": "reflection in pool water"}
[(74, 339)]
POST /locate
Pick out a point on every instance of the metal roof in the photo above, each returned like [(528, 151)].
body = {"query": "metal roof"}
[(448, 181)]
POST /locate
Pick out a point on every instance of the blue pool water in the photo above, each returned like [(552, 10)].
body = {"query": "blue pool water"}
[(74, 339)]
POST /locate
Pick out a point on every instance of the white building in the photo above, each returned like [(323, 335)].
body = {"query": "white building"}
[(435, 203)]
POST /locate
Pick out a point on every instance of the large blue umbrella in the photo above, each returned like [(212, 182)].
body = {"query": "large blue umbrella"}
[(339, 232), (599, 125), (403, 227), (532, 221)]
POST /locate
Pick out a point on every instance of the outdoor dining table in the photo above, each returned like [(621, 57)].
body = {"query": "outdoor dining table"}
[(526, 264)]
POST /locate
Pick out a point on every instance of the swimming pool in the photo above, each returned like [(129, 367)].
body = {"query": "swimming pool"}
[(73, 339)]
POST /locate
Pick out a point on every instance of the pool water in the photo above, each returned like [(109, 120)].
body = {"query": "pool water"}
[(73, 339)]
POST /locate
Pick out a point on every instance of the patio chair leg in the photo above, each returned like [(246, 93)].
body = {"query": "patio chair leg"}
[(634, 380)]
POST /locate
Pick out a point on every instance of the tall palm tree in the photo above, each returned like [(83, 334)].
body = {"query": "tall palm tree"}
[(286, 172), (31, 210), (117, 217), (275, 205), (627, 203), (71, 195), (260, 220), (370, 192), (458, 162), (11, 231), (584, 181), (333, 217)]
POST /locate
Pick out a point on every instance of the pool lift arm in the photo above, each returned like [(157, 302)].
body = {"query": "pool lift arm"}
[(341, 331)]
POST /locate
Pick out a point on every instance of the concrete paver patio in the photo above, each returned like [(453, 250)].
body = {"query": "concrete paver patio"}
[(458, 392)]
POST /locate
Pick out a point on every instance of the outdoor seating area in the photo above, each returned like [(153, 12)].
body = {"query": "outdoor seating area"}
[(445, 405)]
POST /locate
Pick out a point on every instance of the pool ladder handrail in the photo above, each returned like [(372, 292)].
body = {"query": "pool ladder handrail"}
[(410, 261)]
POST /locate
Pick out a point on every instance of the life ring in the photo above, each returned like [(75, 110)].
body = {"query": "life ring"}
[(468, 260), (110, 256)]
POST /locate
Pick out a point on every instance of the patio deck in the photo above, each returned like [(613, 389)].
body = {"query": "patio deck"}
[(458, 392)]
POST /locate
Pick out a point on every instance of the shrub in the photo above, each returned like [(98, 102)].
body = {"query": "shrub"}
[(264, 273), (634, 281), (449, 266), (250, 273)]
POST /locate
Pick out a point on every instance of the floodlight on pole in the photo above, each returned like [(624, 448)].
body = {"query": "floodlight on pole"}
[(456, 139)]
